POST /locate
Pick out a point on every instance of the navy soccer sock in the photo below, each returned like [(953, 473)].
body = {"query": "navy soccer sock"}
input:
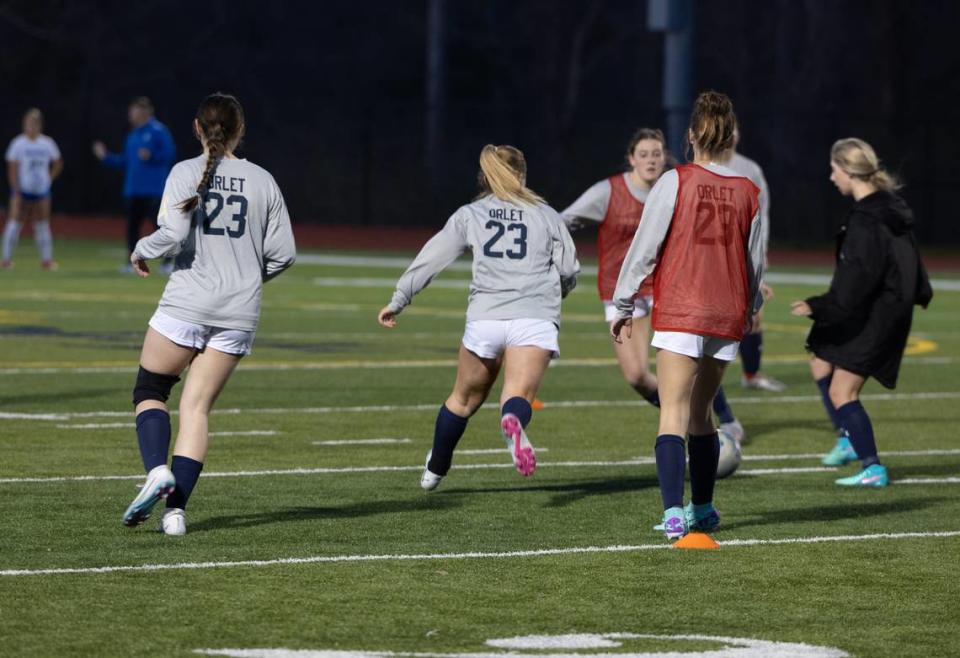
[(704, 456), (853, 418), (824, 385), (751, 347), (520, 408), (721, 408), (153, 435), (186, 471), (671, 466), (446, 435)]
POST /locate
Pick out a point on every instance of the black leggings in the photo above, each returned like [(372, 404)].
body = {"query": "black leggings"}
[(139, 207)]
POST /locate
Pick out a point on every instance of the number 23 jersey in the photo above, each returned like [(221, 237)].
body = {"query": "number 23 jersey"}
[(702, 236), (223, 255), (521, 253)]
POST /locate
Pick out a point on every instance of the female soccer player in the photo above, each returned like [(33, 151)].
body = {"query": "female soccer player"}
[(33, 163), (701, 237), (861, 324), (617, 204), (226, 222), (524, 261)]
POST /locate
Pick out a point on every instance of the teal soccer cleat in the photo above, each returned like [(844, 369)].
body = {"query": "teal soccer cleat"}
[(702, 518), (874, 475), (159, 485), (842, 453)]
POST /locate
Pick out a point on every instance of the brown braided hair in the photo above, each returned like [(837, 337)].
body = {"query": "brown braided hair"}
[(712, 123), (220, 122)]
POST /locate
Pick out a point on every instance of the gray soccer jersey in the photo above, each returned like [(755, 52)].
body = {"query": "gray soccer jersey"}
[(644, 251), (222, 258), (523, 260), (747, 167)]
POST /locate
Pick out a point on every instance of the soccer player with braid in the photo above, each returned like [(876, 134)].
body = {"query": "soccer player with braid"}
[(524, 262), (225, 221), (701, 237), (616, 203)]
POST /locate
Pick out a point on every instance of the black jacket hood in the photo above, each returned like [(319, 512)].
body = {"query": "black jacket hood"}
[(888, 208)]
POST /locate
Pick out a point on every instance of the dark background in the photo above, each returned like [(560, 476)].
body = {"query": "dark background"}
[(335, 94)]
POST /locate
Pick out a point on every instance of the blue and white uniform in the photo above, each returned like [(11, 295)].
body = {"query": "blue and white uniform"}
[(33, 158)]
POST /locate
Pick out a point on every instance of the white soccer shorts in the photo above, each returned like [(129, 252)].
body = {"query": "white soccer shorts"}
[(489, 338), (695, 345), (641, 308), (198, 336)]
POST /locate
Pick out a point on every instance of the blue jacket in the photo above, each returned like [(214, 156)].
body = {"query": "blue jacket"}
[(145, 177)]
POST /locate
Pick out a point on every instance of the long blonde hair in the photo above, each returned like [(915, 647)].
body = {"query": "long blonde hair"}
[(858, 160), (503, 173)]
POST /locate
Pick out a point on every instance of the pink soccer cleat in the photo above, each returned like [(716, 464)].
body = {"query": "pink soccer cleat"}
[(519, 445)]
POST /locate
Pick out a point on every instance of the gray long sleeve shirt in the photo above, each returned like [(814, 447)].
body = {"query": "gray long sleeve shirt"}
[(749, 168), (524, 260), (642, 257), (224, 256)]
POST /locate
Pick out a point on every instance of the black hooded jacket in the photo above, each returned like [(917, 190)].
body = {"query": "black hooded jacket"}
[(862, 323)]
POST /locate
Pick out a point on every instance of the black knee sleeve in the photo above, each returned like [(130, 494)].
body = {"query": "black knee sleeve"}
[(151, 386)]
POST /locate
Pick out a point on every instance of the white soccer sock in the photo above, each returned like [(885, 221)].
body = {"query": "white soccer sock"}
[(44, 239), (11, 233)]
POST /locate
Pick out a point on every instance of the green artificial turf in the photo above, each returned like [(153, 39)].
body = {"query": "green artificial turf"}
[(323, 371)]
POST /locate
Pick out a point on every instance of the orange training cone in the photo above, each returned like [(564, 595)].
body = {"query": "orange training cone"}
[(537, 404), (699, 541)]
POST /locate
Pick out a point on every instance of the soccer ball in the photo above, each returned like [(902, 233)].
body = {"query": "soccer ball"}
[(729, 454)]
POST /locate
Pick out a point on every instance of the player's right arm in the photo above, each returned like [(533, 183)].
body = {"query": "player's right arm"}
[(174, 223), (590, 206), (435, 256)]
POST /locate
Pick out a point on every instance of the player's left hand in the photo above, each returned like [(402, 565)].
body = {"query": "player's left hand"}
[(139, 265), (387, 317), (800, 308), (144, 154), (621, 325), (766, 292)]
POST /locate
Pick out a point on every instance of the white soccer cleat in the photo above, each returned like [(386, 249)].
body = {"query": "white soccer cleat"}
[(160, 484), (519, 445), (174, 522), (763, 383), (429, 480), (735, 430)]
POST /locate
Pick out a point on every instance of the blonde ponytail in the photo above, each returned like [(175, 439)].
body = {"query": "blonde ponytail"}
[(858, 159), (503, 173)]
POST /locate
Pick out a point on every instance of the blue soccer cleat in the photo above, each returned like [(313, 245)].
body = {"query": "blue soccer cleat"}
[(874, 475), (842, 453), (702, 518)]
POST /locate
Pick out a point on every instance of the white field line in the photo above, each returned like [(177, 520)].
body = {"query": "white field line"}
[(360, 442), (944, 480), (475, 555), (353, 470), (411, 363), (814, 455), (559, 404), (104, 426), (400, 263), (494, 451)]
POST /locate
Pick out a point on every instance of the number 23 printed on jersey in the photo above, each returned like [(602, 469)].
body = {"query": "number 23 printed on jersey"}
[(236, 225), (515, 250)]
